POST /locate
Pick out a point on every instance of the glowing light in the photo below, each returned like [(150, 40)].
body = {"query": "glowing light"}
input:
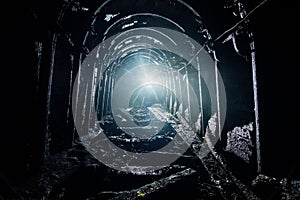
[(148, 74)]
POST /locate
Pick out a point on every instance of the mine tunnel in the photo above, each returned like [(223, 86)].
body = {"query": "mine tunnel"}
[(146, 94)]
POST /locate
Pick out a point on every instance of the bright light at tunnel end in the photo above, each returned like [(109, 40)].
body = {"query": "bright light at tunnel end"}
[(144, 74)]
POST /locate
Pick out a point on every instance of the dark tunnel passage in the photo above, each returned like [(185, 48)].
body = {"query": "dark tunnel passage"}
[(147, 95)]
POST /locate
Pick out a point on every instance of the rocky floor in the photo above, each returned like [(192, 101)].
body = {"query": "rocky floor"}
[(75, 174)]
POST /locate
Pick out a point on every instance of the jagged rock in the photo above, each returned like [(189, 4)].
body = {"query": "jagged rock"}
[(290, 189), (267, 187), (212, 126), (228, 186), (239, 142)]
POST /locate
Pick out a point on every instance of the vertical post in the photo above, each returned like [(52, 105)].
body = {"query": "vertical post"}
[(255, 96), (200, 96), (38, 50), (69, 111), (180, 110), (188, 95), (47, 138), (104, 79), (108, 99), (243, 14), (77, 97), (218, 99), (92, 97)]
